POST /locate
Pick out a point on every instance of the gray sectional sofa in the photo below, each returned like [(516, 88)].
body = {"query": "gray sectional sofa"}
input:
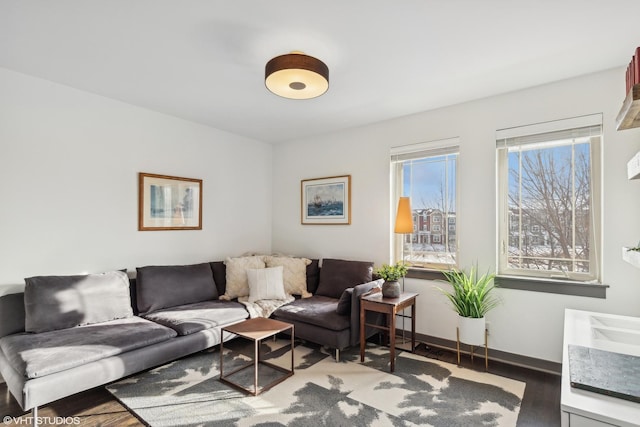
[(67, 334)]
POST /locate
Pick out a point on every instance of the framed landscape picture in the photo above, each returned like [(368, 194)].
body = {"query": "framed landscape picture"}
[(326, 200), (169, 203)]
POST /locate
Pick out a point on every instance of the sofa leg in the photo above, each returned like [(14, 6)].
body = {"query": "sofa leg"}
[(337, 355), (34, 415)]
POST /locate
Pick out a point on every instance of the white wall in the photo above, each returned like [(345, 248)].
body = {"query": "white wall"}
[(68, 193), (528, 323), (68, 184)]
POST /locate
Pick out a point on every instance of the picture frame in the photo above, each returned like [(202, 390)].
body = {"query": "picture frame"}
[(326, 201), (169, 203)]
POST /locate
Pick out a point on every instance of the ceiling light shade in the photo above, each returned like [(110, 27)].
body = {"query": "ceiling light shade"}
[(404, 217), (296, 76)]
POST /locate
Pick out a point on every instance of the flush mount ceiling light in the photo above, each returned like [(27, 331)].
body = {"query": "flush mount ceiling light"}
[(296, 76)]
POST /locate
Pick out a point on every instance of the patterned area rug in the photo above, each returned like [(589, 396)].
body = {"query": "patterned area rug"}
[(421, 391)]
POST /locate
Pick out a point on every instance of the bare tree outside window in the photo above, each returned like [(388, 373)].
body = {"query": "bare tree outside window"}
[(549, 208), (549, 198)]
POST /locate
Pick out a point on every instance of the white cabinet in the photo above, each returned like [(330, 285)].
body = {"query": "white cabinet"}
[(582, 408), (576, 420)]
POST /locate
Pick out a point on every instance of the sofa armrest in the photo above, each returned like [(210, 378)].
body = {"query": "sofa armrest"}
[(358, 292), (11, 314)]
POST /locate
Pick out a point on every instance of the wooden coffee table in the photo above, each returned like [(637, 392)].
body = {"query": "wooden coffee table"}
[(255, 330)]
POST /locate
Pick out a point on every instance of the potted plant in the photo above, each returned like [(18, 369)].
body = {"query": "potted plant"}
[(471, 297), (391, 274)]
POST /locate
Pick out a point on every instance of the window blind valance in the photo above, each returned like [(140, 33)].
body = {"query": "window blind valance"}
[(558, 130), (425, 149)]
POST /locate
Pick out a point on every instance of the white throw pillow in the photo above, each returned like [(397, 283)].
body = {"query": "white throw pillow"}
[(236, 276), (265, 283), (294, 273)]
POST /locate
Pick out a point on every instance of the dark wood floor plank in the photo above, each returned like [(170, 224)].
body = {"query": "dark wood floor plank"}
[(96, 407)]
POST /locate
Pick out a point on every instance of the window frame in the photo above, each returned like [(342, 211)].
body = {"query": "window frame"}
[(592, 124), (399, 154)]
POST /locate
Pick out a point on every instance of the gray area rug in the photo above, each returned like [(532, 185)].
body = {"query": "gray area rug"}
[(421, 391)]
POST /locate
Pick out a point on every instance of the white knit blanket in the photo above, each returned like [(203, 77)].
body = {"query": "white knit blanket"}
[(264, 308)]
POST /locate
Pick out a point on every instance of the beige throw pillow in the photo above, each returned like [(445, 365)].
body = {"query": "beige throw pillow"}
[(265, 283), (236, 276), (294, 273)]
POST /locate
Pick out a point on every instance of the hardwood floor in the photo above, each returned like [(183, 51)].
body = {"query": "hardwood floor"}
[(97, 407)]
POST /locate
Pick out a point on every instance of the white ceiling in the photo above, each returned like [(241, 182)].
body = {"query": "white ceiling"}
[(203, 60)]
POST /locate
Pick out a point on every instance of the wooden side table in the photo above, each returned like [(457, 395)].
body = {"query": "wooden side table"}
[(389, 306), (255, 330)]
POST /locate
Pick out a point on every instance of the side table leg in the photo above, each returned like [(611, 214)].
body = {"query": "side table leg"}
[(292, 332), (221, 351), (256, 355), (392, 341), (413, 327), (362, 330)]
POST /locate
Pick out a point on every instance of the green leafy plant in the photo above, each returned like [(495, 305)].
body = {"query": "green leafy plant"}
[(471, 295), (392, 273)]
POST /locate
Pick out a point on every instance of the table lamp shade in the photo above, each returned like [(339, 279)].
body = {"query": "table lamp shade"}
[(404, 218)]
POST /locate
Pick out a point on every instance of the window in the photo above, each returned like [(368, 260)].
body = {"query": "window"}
[(427, 174), (549, 199)]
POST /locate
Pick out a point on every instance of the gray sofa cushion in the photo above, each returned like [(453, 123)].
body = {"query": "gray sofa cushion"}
[(190, 318), (173, 285), (60, 302), (317, 310), (37, 355), (336, 275)]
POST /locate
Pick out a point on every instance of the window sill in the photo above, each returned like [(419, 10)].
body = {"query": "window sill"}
[(553, 286), (424, 274)]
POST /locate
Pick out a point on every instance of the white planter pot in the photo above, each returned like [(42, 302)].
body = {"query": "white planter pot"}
[(471, 330)]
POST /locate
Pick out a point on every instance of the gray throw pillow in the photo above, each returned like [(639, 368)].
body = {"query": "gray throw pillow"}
[(172, 285), (61, 302), (219, 276), (313, 276), (336, 275)]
